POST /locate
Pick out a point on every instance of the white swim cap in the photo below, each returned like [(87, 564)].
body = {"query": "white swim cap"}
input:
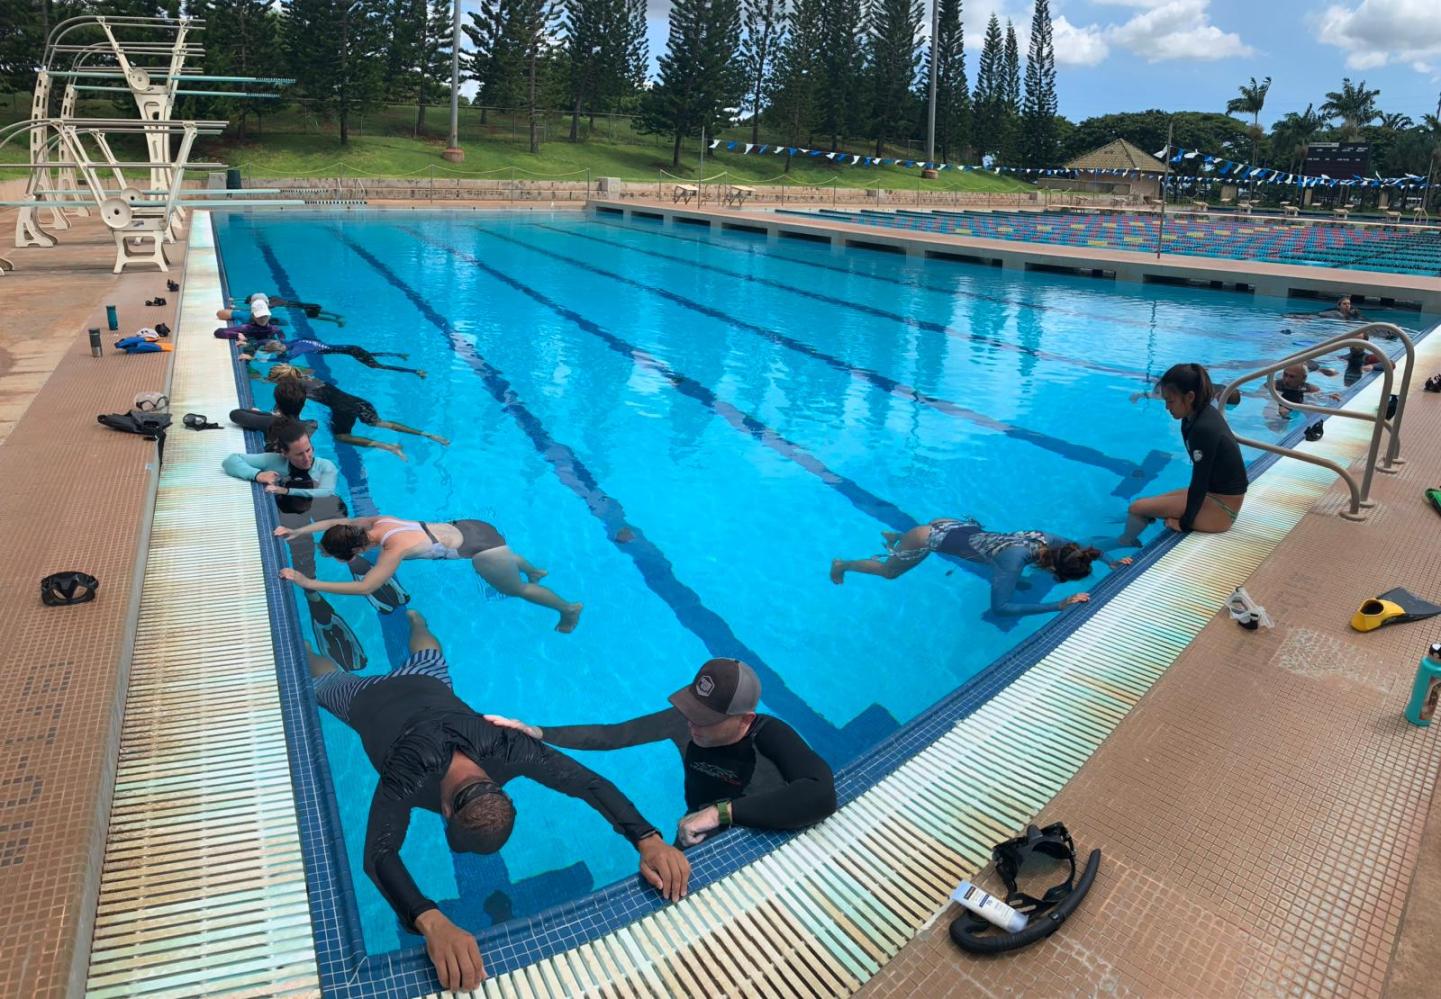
[(260, 309)]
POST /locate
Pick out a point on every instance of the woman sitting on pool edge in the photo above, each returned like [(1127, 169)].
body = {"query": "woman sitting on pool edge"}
[(1008, 555), (1213, 500), (476, 540)]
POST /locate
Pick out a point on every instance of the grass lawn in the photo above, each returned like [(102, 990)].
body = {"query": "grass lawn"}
[(293, 144)]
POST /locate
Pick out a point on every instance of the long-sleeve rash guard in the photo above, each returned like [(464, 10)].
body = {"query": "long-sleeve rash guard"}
[(410, 727), (247, 466), (772, 778), (1216, 465)]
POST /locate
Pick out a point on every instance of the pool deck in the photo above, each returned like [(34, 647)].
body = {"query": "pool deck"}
[(1280, 280), (1262, 808)]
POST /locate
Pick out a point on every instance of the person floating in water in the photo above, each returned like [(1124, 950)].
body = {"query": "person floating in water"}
[(432, 751), (242, 311), (1343, 309), (1008, 555), (741, 768), (286, 352), (1360, 360), (1218, 475), (399, 539), (346, 409)]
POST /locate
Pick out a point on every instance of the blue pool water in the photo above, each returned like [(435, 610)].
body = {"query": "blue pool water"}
[(685, 429)]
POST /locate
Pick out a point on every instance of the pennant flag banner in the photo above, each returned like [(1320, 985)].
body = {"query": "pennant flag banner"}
[(1266, 175)]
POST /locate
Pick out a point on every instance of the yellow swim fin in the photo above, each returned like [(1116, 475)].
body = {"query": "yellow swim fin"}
[(1375, 613)]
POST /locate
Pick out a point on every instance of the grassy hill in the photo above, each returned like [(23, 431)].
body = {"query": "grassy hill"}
[(291, 143)]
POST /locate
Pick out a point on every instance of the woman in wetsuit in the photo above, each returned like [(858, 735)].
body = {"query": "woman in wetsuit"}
[(1212, 501), (346, 410), (1008, 556), (475, 540)]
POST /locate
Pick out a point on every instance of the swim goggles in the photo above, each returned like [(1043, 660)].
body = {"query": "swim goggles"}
[(60, 589), (473, 791), (196, 421)]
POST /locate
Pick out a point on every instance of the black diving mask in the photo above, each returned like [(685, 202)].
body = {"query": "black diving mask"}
[(60, 589)]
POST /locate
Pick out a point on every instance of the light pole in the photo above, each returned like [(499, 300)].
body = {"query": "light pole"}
[(453, 152), (931, 112)]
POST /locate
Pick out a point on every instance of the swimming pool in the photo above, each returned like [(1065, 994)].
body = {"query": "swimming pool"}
[(685, 428)]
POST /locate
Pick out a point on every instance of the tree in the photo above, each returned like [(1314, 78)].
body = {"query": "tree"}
[(336, 52), (1010, 117), (1039, 147), (495, 60), (604, 53), (894, 55), (1291, 136), (953, 99), (23, 26), (1396, 122), (532, 22), (251, 33), (989, 100), (762, 21), (839, 90), (1215, 133), (1251, 101), (699, 77), (791, 92), (1354, 105)]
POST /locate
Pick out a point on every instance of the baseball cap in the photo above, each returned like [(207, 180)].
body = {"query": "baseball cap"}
[(722, 688), (260, 308)]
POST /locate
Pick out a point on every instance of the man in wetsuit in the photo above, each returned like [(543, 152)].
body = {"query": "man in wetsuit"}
[(304, 489), (346, 410), (741, 768), (433, 752)]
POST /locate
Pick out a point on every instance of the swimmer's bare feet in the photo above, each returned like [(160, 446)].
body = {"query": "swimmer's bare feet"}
[(438, 439), (536, 575), (420, 373), (394, 449), (569, 618), (838, 571)]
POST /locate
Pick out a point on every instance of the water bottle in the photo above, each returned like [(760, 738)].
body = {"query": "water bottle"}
[(989, 908), (112, 317), (95, 350), (1426, 689)]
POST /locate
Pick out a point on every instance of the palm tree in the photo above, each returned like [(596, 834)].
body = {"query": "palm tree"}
[(1251, 101), (1291, 136), (1354, 105), (1395, 122)]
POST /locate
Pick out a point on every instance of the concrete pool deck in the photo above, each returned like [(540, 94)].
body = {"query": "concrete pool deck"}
[(1272, 802)]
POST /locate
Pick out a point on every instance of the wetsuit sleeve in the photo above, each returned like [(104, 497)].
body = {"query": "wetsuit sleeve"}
[(1203, 445), (808, 794), (1006, 569), (324, 474), (527, 757), (247, 466), (385, 832), (668, 724)]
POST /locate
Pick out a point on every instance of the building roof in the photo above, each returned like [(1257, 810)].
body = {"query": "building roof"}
[(1118, 154)]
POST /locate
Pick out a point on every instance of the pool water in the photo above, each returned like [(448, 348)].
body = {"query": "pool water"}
[(685, 428)]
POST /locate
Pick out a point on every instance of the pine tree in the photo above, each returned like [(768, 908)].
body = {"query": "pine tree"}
[(533, 22), (839, 91), (495, 59), (792, 91), (763, 22), (434, 42), (988, 101), (251, 33), (1010, 116), (604, 54), (22, 39), (1038, 115), (953, 99), (336, 52), (894, 54), (699, 76)]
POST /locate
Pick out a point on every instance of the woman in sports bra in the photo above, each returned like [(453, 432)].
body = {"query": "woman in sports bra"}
[(399, 539)]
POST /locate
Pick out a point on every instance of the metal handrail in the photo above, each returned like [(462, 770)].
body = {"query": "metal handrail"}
[(1360, 495)]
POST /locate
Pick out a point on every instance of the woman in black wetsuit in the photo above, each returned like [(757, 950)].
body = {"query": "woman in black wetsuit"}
[(1218, 475)]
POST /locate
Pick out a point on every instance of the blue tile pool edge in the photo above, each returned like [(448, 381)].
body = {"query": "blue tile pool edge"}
[(345, 967)]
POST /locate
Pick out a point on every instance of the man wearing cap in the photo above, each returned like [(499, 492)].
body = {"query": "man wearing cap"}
[(311, 310), (257, 324), (741, 768)]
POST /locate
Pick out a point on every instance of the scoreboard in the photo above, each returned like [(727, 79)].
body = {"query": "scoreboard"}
[(1338, 160)]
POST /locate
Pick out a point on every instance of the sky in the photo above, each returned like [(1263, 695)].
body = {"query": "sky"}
[(1191, 55)]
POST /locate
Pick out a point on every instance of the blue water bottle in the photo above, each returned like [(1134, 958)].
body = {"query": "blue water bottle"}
[(112, 318), (1426, 689)]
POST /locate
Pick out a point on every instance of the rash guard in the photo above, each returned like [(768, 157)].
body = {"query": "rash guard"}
[(247, 466), (1216, 465), (772, 778)]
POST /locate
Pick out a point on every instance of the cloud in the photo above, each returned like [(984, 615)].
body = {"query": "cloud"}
[(1177, 29), (1377, 32), (1077, 46)]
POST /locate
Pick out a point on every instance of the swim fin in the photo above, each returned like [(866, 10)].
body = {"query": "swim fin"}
[(1433, 496), (334, 638), (1392, 607), (390, 597)]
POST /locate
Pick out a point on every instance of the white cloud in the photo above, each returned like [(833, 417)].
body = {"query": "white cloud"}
[(1076, 46), (1377, 32), (1178, 29)]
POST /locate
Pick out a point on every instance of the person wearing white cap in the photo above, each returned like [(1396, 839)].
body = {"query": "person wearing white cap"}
[(741, 768), (241, 313)]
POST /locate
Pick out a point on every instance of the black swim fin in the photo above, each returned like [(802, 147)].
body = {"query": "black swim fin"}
[(334, 638), (1413, 607), (390, 597)]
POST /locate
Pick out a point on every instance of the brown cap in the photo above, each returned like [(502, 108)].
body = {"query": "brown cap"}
[(722, 688)]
